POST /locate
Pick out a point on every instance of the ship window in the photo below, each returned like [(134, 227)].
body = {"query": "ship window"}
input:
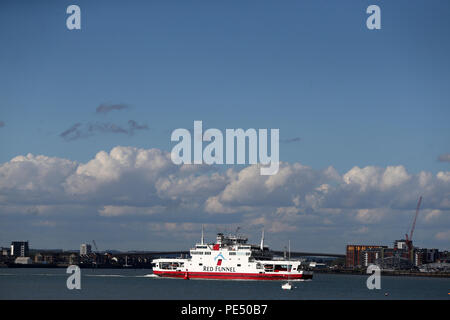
[(282, 267), (200, 264), (268, 267), (238, 265), (207, 252), (165, 265), (247, 253), (232, 253)]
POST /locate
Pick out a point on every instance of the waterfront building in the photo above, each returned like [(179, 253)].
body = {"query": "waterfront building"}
[(400, 256), (38, 258), (19, 248), (85, 249), (400, 245), (424, 256), (354, 256), (370, 256), (23, 260)]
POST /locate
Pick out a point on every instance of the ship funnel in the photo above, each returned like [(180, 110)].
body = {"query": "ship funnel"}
[(262, 240)]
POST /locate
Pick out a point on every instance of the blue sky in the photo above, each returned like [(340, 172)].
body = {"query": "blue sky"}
[(341, 95)]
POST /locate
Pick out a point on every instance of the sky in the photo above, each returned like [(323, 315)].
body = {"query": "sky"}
[(86, 117)]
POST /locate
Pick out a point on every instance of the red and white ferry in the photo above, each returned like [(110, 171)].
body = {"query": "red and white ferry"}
[(231, 258)]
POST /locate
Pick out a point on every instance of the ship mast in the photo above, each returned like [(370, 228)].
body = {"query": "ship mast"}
[(203, 238), (262, 240), (289, 249)]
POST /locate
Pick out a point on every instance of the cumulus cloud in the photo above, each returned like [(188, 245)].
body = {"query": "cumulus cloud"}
[(124, 173), (40, 177), (444, 157), (144, 184), (104, 108)]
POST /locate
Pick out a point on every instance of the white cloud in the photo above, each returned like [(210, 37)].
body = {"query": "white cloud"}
[(394, 177), (117, 167), (369, 216), (443, 235), (288, 211), (363, 177), (111, 211), (432, 215), (444, 176), (144, 182), (32, 173)]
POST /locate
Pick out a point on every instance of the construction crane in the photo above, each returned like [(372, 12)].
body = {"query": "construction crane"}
[(95, 245), (409, 239)]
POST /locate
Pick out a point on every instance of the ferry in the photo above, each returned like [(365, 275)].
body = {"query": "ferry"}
[(231, 258)]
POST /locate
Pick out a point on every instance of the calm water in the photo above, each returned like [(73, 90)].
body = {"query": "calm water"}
[(136, 284)]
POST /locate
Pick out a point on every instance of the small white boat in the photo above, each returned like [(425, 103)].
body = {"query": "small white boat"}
[(287, 286)]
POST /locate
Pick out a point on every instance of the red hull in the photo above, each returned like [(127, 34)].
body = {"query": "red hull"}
[(231, 276)]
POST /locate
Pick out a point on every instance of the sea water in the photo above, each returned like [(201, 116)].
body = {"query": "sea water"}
[(141, 284)]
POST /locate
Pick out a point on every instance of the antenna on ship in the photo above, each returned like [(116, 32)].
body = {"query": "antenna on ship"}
[(262, 240)]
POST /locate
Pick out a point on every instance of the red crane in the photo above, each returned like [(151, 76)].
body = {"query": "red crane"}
[(409, 239)]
